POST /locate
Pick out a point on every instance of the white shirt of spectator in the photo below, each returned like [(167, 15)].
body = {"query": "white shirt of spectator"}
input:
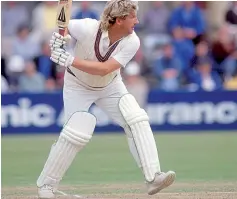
[(208, 84), (16, 64), (84, 32)]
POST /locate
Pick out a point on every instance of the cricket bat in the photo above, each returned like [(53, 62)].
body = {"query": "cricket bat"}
[(63, 15)]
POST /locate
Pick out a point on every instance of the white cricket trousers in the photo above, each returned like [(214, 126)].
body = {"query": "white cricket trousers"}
[(78, 97)]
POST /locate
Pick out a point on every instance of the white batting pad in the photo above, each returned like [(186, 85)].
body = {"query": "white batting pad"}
[(75, 134), (142, 135)]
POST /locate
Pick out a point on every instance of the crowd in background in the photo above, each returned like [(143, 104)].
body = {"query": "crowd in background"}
[(176, 53)]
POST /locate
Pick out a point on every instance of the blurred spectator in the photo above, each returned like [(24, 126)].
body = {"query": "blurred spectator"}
[(161, 25), (13, 15), (231, 19), (14, 68), (156, 18), (155, 27), (231, 15), (201, 51), (223, 50), (4, 85), (50, 85), (31, 81), (183, 47), (44, 65), (44, 19), (136, 84), (231, 84), (141, 61), (223, 46), (230, 65), (25, 44), (145, 67), (190, 18), (167, 69), (6, 46), (205, 78), (86, 11)]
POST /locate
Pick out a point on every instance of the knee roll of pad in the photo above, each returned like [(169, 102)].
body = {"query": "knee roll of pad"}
[(131, 111), (135, 117), (79, 128)]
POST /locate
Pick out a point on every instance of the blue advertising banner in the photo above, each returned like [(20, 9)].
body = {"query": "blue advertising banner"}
[(193, 111), (43, 113)]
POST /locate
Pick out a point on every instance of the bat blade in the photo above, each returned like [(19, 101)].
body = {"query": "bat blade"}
[(63, 15)]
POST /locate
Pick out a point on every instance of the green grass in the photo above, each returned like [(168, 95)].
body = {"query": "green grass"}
[(106, 159)]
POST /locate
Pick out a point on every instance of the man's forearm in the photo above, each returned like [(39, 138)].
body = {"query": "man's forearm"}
[(91, 67)]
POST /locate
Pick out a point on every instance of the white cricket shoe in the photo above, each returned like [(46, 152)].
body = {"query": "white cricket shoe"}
[(46, 192), (161, 181)]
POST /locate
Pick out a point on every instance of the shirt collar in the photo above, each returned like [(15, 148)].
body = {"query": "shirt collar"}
[(105, 35)]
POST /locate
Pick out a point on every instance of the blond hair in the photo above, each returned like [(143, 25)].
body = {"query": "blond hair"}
[(114, 9)]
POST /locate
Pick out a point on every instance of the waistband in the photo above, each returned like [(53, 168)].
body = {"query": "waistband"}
[(90, 87)]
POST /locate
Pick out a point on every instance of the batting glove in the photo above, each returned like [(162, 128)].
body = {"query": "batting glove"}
[(59, 41), (61, 57)]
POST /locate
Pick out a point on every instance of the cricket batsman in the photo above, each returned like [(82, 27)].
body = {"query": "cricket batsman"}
[(101, 49)]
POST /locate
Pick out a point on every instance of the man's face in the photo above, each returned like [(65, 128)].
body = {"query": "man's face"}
[(85, 5), (129, 22), (202, 49), (30, 69), (23, 34)]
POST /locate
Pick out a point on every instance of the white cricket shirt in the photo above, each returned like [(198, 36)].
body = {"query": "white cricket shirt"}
[(85, 33)]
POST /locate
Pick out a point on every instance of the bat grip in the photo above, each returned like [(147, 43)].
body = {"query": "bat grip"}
[(62, 31)]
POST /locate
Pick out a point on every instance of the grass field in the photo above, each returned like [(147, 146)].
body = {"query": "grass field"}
[(205, 163)]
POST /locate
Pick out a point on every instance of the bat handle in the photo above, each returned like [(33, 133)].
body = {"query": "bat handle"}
[(62, 31)]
